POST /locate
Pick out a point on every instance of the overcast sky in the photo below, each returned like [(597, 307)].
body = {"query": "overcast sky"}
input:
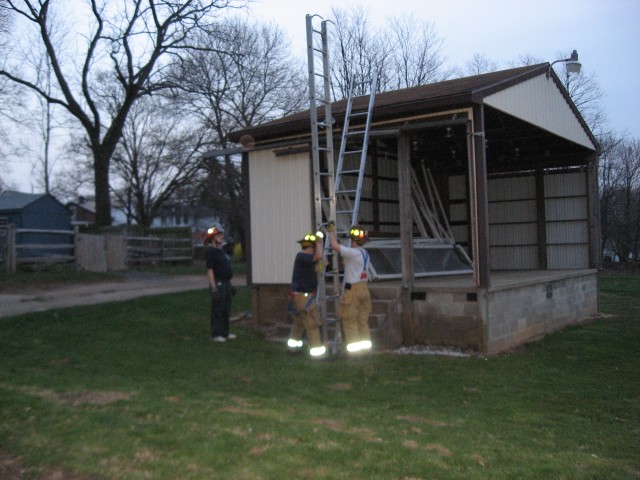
[(605, 33)]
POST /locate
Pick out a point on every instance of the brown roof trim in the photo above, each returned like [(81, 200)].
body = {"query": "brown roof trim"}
[(430, 98)]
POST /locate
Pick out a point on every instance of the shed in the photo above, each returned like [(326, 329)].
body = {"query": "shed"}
[(514, 166), (33, 211)]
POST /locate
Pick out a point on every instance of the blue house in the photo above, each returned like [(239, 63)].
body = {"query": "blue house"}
[(36, 212)]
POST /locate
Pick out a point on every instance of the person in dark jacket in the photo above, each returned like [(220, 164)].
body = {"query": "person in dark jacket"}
[(219, 274)]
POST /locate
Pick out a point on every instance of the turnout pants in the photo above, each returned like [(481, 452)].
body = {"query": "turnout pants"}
[(307, 318), (355, 308)]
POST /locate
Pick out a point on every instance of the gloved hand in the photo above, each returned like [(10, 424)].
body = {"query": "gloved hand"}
[(331, 227)]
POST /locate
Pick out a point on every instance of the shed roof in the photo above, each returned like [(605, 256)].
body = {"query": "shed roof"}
[(13, 201), (430, 98)]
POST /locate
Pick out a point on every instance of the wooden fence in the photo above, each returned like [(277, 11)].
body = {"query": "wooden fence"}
[(92, 252)]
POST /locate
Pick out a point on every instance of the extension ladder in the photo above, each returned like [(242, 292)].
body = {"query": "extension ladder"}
[(337, 190)]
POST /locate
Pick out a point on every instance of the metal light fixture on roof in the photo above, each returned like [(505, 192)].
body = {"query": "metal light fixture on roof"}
[(572, 64)]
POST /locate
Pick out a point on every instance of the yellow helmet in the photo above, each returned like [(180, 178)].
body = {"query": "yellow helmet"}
[(358, 234), (310, 239)]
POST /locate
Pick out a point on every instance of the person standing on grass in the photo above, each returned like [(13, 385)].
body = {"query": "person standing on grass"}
[(220, 274), (303, 302), (355, 305)]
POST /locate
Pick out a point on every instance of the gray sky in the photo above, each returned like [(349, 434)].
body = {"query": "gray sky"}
[(605, 33)]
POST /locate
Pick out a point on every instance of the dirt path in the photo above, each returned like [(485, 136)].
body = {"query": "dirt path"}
[(130, 286)]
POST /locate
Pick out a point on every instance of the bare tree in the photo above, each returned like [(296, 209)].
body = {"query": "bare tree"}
[(625, 214), (608, 178), (357, 53), (158, 154), (415, 53), (258, 82), (479, 64), (586, 93), (404, 53), (130, 42)]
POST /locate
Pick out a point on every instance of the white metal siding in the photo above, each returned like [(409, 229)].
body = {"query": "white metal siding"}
[(513, 223), (567, 213), (539, 101), (281, 213)]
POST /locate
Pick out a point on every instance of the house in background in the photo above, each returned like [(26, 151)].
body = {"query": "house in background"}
[(36, 212), (515, 167), (83, 212), (198, 218)]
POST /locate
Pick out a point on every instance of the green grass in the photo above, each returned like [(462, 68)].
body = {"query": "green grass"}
[(136, 390), (66, 274)]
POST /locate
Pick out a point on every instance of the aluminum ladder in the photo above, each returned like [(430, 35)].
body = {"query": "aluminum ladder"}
[(322, 162), (352, 158)]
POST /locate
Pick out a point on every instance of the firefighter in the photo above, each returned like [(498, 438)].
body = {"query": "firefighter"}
[(355, 304), (219, 273), (303, 304)]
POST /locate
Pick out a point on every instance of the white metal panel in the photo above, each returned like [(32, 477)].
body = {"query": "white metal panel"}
[(514, 234), (281, 212), (571, 208), (562, 257), (458, 212), (565, 184), (566, 211), (512, 212), (540, 102), (567, 232), (513, 223), (457, 188), (514, 258), (515, 188), (460, 233)]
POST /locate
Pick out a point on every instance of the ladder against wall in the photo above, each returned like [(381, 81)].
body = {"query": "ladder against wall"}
[(338, 187)]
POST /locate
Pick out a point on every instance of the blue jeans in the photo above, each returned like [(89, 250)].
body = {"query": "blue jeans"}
[(221, 309)]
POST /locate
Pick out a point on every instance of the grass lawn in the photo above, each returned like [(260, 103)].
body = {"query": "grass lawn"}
[(136, 390)]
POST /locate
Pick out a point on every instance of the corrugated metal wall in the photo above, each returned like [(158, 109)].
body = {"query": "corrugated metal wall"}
[(513, 222), (567, 213), (281, 212)]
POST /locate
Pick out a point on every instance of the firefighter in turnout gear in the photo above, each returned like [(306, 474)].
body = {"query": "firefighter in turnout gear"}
[(303, 303), (355, 305)]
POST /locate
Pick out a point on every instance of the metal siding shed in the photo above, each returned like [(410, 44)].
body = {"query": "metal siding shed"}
[(280, 212)]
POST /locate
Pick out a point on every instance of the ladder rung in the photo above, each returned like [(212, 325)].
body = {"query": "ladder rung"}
[(358, 114), (343, 192), (356, 132), (349, 171)]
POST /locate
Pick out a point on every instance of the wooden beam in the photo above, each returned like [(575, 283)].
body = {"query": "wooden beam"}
[(593, 198), (479, 201), (406, 234)]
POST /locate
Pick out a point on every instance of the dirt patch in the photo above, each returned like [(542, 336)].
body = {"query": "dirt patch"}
[(74, 398), (12, 468)]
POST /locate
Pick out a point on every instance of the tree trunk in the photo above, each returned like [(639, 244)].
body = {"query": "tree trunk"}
[(101, 183)]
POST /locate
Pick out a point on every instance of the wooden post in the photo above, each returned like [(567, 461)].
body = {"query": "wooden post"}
[(11, 249), (595, 239), (479, 201), (406, 235)]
